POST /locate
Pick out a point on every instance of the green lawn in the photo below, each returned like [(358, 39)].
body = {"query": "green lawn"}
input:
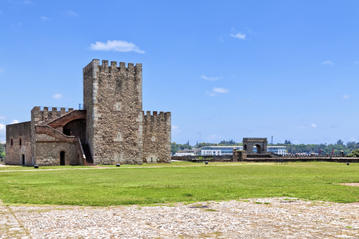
[(178, 182)]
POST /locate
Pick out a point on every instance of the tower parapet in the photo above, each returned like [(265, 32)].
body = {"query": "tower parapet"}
[(95, 66), (42, 115)]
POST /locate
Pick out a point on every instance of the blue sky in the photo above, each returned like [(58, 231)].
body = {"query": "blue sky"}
[(225, 69)]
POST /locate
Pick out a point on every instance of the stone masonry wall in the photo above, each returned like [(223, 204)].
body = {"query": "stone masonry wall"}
[(113, 101), (15, 149), (50, 142), (48, 152), (157, 137), (45, 115), (42, 117)]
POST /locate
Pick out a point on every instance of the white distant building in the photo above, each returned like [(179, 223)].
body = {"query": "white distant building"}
[(186, 152), (228, 150), (218, 150), (280, 150)]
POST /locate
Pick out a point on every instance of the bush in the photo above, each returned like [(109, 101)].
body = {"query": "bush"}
[(354, 153)]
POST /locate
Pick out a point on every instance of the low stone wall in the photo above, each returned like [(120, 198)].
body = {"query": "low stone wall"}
[(304, 159), (225, 158), (265, 159)]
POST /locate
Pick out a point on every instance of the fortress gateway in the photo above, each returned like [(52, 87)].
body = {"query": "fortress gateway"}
[(111, 129)]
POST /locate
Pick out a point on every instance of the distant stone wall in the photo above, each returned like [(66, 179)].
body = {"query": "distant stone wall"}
[(18, 144), (259, 143), (157, 137), (113, 102)]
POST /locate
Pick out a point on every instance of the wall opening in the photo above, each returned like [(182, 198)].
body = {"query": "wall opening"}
[(76, 128), (23, 160), (20, 142), (62, 158), (67, 131), (245, 147), (11, 142), (258, 147)]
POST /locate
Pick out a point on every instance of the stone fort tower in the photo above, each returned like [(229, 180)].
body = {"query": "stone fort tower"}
[(113, 101), (112, 127), (117, 129)]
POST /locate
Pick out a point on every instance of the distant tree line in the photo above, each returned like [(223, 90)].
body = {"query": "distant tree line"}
[(2, 150), (176, 147), (336, 148), (350, 148)]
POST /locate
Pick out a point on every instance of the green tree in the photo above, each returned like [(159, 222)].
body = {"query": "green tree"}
[(287, 142), (2, 150), (176, 147), (354, 153), (227, 142), (340, 142)]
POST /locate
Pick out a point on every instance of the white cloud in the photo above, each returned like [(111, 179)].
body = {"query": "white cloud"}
[(314, 125), (220, 90), (44, 18), (210, 78), (2, 127), (72, 13), (116, 45), (15, 121), (57, 96), (240, 36), (328, 62), (2, 117), (217, 90), (345, 97)]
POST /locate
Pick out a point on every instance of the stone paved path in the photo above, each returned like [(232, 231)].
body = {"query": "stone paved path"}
[(10, 227), (253, 218)]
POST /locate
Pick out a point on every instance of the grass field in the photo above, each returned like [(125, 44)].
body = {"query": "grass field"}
[(177, 182)]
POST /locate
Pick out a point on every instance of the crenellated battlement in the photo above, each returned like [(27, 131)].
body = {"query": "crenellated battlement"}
[(95, 65), (43, 114), (156, 117)]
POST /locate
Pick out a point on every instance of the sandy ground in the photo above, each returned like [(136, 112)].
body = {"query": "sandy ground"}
[(253, 218), (351, 184)]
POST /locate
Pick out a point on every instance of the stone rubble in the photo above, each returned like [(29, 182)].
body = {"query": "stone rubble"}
[(252, 218)]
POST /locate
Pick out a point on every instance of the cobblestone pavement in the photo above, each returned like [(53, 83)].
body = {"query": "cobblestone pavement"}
[(253, 218)]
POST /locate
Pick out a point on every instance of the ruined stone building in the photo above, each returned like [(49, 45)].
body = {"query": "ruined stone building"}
[(112, 128)]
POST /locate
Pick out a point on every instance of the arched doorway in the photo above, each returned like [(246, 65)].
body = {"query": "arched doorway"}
[(62, 158), (258, 148), (23, 160)]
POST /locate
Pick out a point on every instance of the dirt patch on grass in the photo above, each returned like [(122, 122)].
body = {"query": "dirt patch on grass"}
[(350, 184)]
